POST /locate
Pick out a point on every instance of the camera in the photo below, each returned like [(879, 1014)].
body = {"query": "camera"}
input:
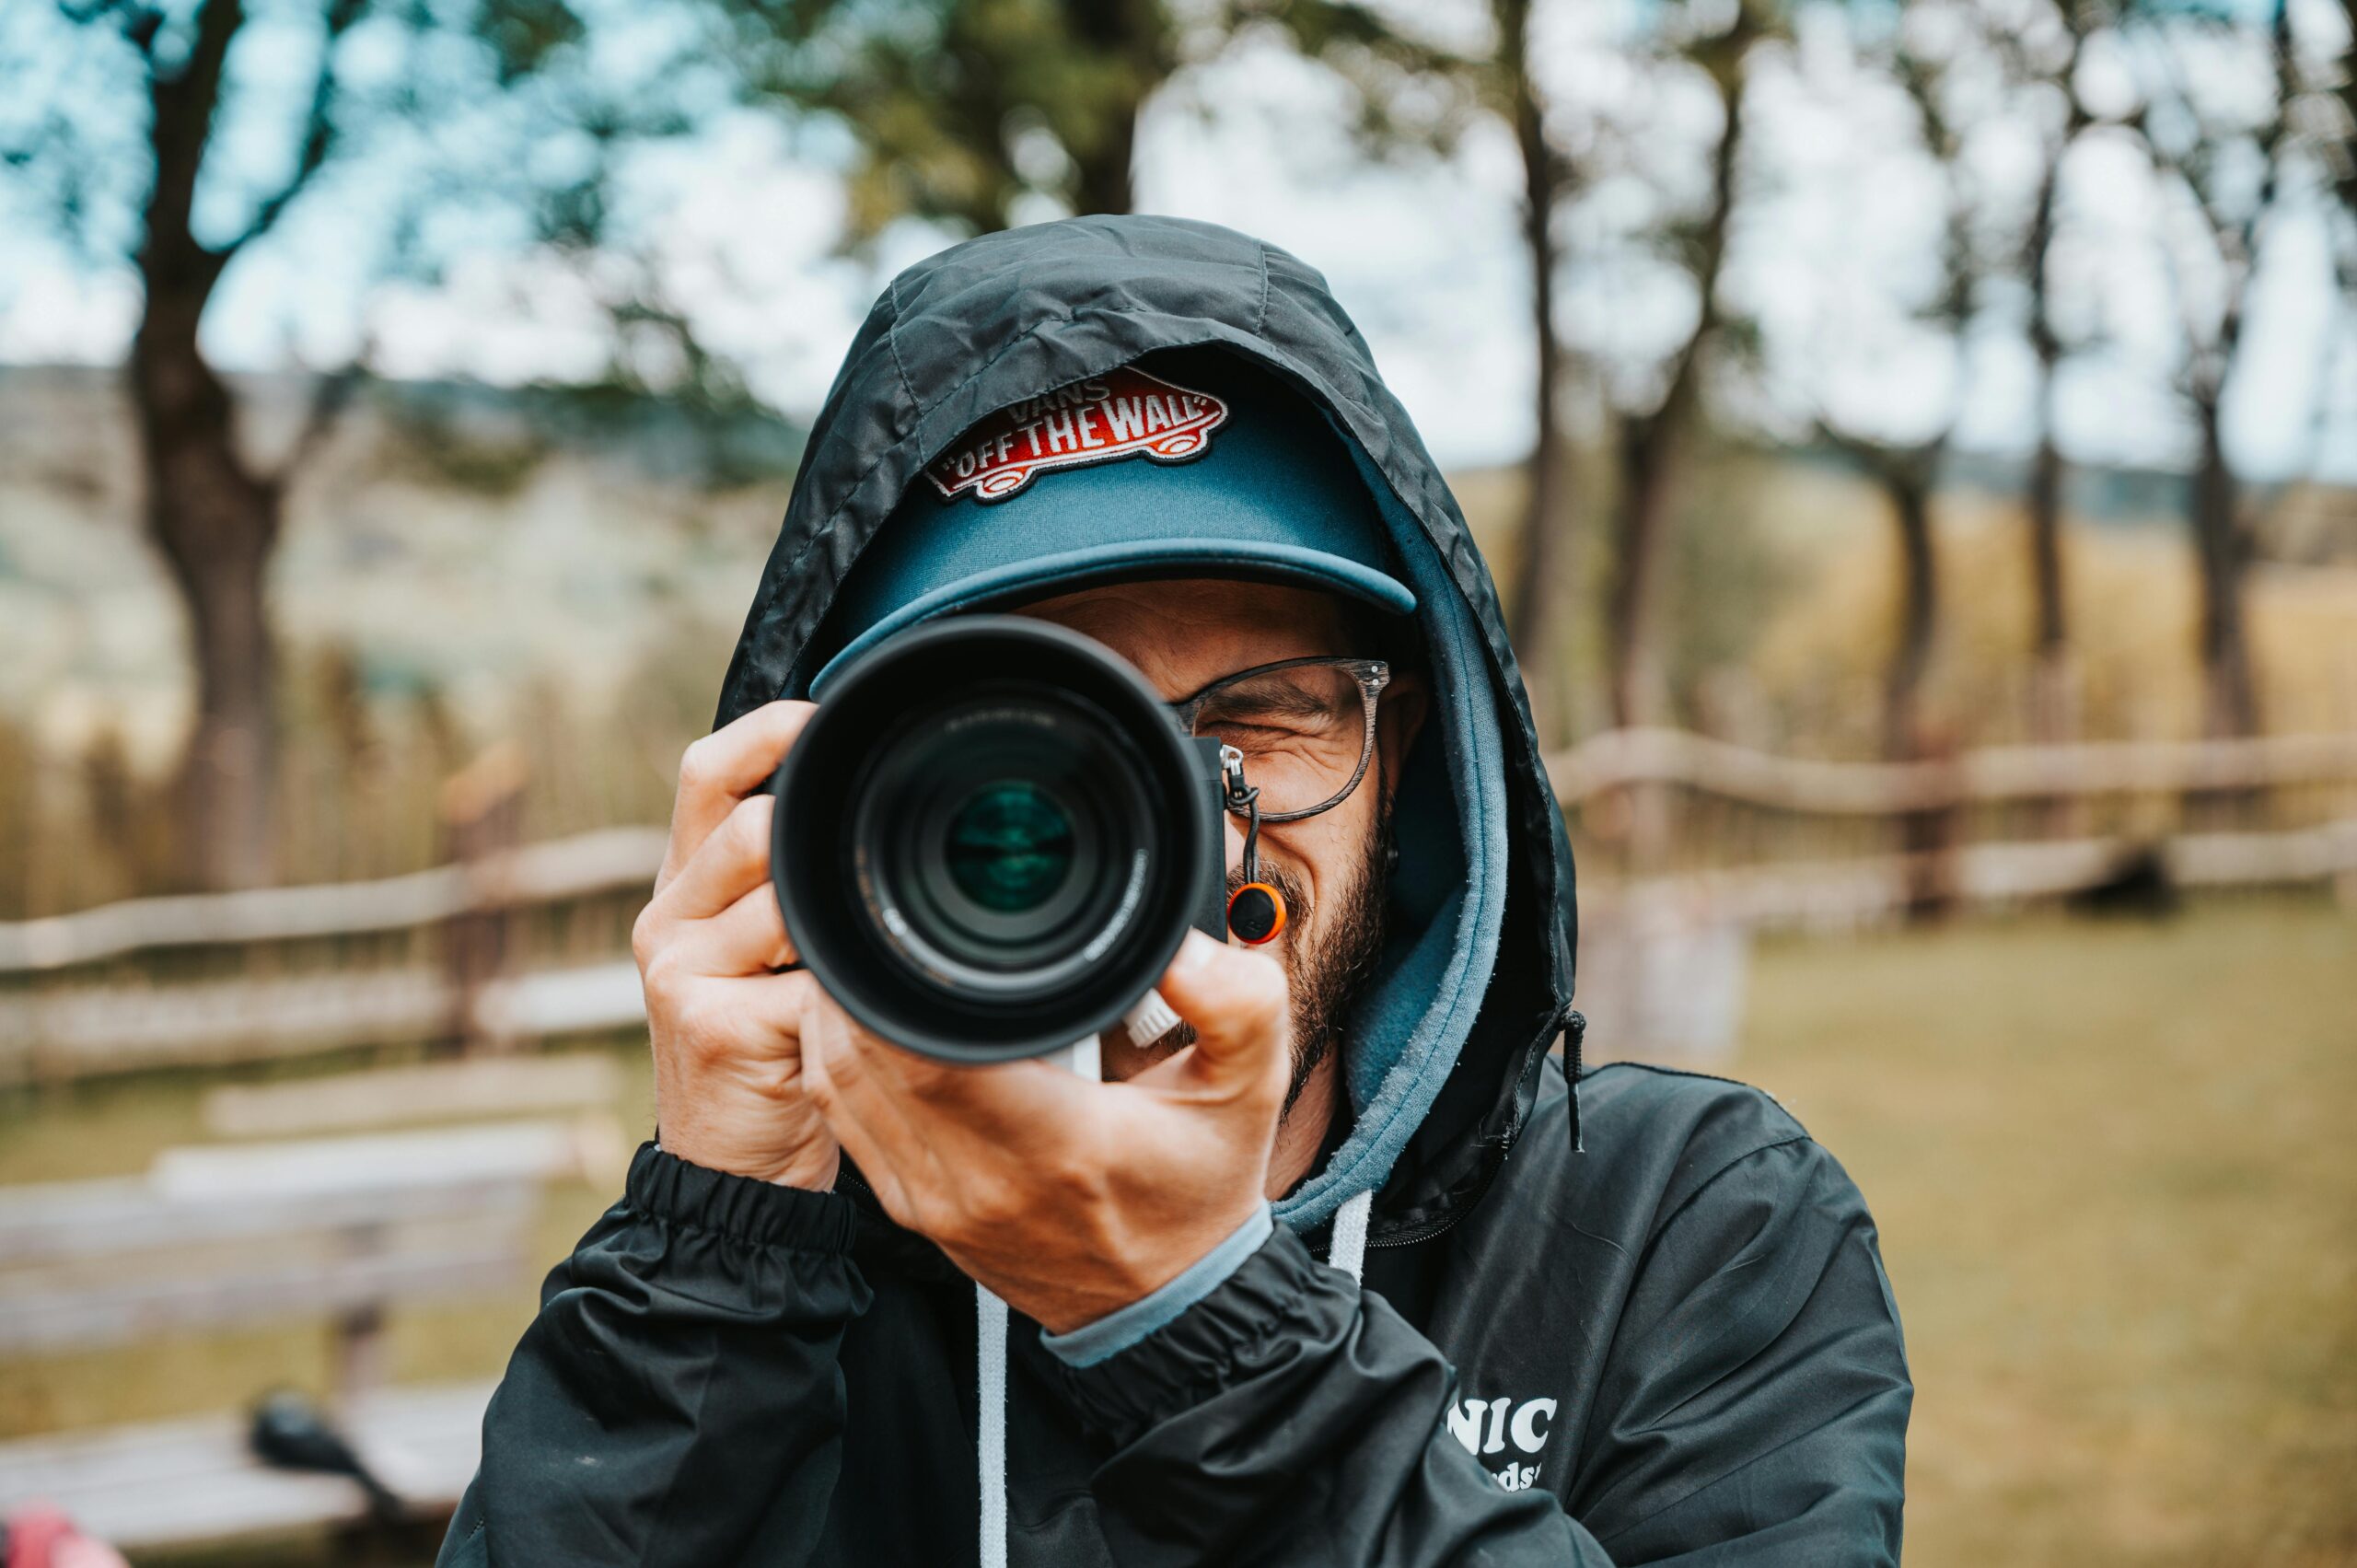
[(992, 837)]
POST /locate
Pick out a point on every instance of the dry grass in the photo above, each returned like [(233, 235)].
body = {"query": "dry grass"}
[(2113, 1168), (2117, 1191)]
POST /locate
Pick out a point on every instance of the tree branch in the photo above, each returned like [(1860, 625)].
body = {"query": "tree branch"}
[(180, 121), (330, 395), (319, 132)]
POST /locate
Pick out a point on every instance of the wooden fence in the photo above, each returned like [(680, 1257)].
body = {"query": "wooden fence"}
[(511, 943)]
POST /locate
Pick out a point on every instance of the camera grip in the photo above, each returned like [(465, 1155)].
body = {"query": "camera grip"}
[(1211, 905)]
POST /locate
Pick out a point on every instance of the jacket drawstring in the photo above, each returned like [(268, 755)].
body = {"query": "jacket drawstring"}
[(990, 1434), (1348, 1253)]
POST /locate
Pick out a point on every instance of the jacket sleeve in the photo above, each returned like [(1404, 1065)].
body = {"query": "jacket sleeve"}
[(1753, 1410), (678, 1400)]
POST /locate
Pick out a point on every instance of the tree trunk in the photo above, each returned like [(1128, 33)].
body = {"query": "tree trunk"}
[(1653, 444), (1909, 485), (2344, 178), (1927, 839), (1103, 182), (1546, 546), (1128, 37), (1650, 450), (2230, 698), (213, 520), (2054, 708), (2054, 673), (214, 523)]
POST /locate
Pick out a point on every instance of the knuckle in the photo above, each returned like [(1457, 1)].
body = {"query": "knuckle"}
[(646, 938), (697, 764), (659, 976), (1076, 1174), (693, 1023), (748, 822), (988, 1205), (1261, 996)]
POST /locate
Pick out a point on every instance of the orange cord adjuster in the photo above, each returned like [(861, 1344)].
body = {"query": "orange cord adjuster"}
[(1256, 914)]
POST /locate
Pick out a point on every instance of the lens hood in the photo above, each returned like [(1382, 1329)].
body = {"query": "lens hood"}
[(991, 838)]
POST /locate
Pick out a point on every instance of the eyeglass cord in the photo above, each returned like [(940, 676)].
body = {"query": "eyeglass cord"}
[(1245, 797)]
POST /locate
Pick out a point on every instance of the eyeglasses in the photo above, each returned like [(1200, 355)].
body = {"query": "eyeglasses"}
[(1304, 727)]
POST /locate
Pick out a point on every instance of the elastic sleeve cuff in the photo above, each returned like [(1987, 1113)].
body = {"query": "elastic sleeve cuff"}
[(1117, 1331), (1279, 1302), (758, 1213)]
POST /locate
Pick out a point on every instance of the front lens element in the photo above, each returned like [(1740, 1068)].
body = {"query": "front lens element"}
[(1010, 846)]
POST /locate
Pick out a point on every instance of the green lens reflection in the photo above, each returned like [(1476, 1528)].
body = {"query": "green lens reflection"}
[(1010, 846)]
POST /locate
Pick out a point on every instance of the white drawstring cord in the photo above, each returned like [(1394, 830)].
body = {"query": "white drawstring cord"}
[(1348, 1251), (989, 1438), (990, 1323)]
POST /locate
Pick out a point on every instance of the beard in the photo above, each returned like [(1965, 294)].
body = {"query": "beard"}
[(1324, 977)]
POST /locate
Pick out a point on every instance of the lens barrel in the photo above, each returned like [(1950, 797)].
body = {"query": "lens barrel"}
[(991, 838)]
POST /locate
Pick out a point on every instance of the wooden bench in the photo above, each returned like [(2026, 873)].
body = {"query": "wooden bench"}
[(434, 1091), (215, 1237)]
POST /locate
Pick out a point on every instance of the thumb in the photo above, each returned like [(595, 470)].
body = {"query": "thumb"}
[(1237, 1001)]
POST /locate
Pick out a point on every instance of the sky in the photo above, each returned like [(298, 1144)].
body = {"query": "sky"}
[(743, 223)]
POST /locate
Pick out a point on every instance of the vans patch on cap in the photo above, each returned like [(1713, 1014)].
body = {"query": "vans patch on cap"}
[(1124, 413)]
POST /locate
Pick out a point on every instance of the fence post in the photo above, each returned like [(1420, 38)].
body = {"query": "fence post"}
[(482, 820), (1929, 837)]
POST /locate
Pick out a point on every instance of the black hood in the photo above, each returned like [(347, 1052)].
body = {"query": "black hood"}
[(1011, 315)]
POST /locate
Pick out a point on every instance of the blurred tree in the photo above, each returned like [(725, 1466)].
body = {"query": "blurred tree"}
[(2046, 57), (1419, 94), (1652, 432), (225, 145), (1651, 437), (2344, 168), (962, 110), (2214, 338), (1908, 470), (2230, 162), (1548, 541)]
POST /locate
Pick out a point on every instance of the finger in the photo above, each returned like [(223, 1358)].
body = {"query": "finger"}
[(748, 937), (1236, 999), (735, 859), (1006, 1104), (860, 1113), (721, 769)]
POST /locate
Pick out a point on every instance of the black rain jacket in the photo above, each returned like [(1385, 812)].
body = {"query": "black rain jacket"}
[(1645, 1323)]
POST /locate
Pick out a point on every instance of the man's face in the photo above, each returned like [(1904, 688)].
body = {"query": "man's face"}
[(1183, 635)]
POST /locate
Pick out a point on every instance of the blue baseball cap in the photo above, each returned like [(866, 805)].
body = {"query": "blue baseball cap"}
[(1186, 463)]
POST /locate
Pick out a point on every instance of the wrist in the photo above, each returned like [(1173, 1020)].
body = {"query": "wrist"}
[(1108, 1335), (811, 1169), (663, 1186)]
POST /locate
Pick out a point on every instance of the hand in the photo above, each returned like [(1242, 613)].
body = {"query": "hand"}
[(1069, 1199), (728, 1082)]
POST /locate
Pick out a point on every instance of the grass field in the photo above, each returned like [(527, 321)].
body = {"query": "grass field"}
[(2113, 1166), (2116, 1178)]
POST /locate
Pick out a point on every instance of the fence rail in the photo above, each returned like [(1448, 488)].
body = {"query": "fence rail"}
[(249, 976), (1625, 758), (609, 860)]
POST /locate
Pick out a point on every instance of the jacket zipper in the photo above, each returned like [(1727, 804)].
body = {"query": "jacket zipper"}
[(1427, 1231)]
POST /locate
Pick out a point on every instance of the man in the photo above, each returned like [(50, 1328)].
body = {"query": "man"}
[(1342, 1271)]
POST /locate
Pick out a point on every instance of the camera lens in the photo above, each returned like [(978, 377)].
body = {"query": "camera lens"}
[(1010, 846), (991, 834), (991, 838)]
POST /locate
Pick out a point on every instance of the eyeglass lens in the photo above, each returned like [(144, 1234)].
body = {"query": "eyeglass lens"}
[(1303, 732)]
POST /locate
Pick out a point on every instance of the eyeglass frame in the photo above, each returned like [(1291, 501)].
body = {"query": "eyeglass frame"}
[(1373, 675)]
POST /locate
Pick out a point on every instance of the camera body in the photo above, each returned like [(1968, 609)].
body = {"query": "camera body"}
[(992, 837)]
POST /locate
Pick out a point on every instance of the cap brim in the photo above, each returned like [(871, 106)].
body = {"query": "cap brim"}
[(1259, 560)]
